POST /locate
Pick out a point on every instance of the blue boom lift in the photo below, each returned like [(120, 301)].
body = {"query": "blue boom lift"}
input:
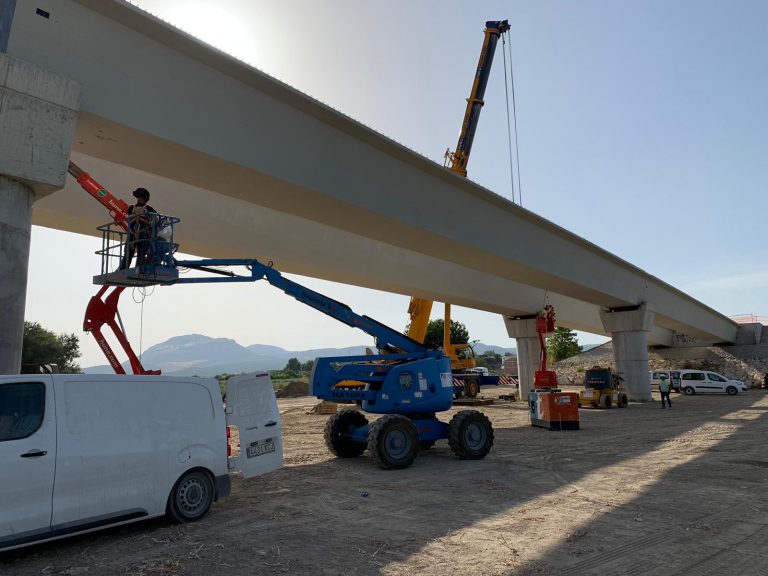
[(406, 382)]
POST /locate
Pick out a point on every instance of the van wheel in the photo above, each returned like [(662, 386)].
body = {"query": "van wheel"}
[(689, 391), (191, 497), (731, 391)]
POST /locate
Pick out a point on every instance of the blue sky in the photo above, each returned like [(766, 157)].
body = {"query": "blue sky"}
[(642, 128)]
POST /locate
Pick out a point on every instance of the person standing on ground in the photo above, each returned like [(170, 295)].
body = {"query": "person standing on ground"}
[(139, 227), (664, 390)]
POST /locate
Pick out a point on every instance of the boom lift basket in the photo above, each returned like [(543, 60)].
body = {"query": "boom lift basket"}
[(149, 240)]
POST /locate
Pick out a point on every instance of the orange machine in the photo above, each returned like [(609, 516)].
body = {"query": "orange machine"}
[(554, 410)]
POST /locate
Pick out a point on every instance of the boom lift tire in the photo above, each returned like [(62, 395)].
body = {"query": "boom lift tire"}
[(470, 435), (606, 401), (191, 497), (335, 434), (393, 442), (623, 401)]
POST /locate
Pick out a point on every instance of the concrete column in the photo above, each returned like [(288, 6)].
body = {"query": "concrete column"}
[(528, 351), (15, 224), (38, 112), (629, 332)]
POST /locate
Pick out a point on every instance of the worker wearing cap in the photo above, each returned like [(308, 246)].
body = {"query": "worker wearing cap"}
[(664, 390), (139, 228)]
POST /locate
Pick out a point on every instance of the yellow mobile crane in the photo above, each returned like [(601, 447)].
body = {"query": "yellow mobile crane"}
[(462, 356)]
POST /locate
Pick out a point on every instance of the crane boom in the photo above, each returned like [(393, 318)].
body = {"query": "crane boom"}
[(460, 157), (420, 309)]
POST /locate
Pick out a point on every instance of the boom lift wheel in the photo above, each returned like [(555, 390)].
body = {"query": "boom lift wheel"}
[(470, 435), (606, 401), (335, 434), (393, 442)]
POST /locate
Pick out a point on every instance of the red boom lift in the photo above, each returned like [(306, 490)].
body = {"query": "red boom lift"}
[(101, 310)]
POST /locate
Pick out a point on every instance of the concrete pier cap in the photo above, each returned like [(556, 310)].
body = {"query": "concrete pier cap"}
[(629, 327), (38, 113)]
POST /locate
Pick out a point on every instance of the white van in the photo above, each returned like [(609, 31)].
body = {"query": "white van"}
[(705, 382), (673, 377), (81, 452)]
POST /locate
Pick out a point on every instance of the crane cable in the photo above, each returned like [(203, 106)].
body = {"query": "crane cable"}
[(507, 36), (509, 127)]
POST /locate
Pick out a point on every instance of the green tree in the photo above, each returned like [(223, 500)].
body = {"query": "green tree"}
[(434, 337), (42, 346), (307, 366), (293, 366), (563, 344)]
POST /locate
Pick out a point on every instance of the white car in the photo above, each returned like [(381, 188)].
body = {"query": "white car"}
[(705, 382)]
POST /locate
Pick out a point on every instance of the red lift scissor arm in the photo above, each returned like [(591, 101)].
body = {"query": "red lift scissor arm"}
[(102, 310), (545, 323)]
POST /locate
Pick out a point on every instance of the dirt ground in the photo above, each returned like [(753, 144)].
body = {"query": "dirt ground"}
[(635, 491)]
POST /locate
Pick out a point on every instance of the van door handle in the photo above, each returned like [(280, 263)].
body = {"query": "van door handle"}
[(270, 423), (34, 454)]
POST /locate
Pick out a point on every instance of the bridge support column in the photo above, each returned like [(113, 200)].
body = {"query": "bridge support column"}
[(38, 111), (523, 330), (629, 332)]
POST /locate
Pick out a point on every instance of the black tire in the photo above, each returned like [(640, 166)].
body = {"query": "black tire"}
[(337, 425), (731, 391), (623, 401), (689, 391), (470, 435), (471, 388), (606, 401), (393, 442), (191, 497)]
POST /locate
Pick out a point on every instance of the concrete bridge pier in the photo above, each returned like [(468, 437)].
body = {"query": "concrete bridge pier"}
[(523, 330), (38, 112), (629, 330)]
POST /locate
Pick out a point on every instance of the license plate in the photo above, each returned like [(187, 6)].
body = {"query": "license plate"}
[(258, 448)]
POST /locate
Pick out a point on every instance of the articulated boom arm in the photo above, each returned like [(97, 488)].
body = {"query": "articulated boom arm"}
[(460, 158), (117, 208), (387, 339)]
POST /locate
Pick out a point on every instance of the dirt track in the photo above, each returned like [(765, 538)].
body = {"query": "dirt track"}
[(636, 491)]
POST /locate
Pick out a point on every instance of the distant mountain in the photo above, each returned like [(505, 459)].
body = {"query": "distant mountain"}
[(200, 355), (481, 349)]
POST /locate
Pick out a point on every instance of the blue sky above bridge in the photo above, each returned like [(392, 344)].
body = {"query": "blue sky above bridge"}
[(642, 128)]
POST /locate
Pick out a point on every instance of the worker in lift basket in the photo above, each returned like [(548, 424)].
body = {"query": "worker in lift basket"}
[(664, 391), (140, 219)]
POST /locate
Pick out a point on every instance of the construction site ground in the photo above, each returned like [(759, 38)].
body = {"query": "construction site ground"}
[(635, 491)]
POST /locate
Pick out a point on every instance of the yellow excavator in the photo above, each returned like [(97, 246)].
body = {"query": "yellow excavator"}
[(466, 381)]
